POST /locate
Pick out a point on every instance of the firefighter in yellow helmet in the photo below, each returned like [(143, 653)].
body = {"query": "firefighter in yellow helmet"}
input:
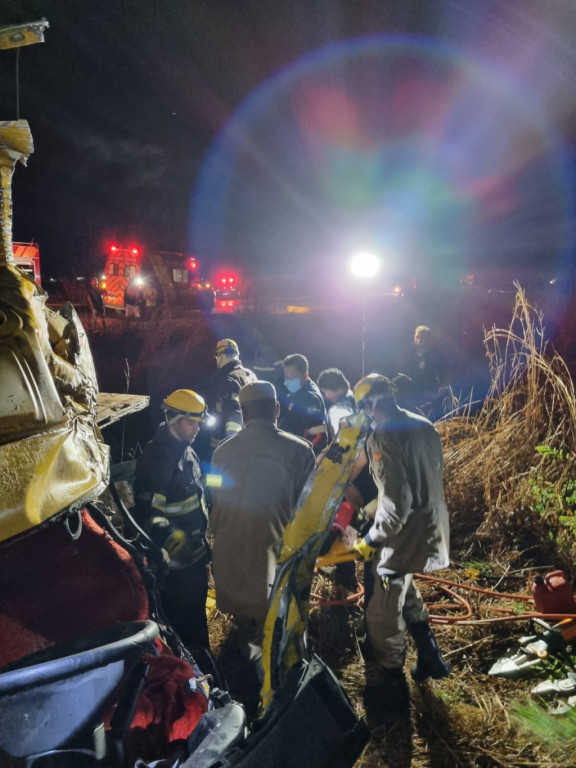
[(230, 376), (409, 534), (172, 508)]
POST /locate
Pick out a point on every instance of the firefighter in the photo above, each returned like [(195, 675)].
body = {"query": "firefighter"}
[(262, 471), (410, 533), (304, 413), (230, 377), (171, 506), (133, 298), (428, 376), (96, 304)]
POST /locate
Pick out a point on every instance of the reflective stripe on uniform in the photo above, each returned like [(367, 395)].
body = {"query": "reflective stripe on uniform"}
[(159, 502), (233, 426), (321, 428), (213, 480), (183, 507), (175, 509)]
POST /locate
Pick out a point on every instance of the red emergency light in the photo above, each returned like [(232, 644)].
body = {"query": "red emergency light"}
[(192, 264), (134, 251), (113, 248)]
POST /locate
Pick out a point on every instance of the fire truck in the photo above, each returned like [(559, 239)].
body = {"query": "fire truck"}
[(165, 278), (27, 258)]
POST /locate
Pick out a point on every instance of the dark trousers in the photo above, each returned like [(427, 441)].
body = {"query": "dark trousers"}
[(183, 597)]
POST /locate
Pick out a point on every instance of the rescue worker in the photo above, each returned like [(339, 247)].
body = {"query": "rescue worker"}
[(410, 533), (96, 304), (338, 397), (428, 373), (133, 298), (304, 413), (171, 506), (230, 377), (261, 472)]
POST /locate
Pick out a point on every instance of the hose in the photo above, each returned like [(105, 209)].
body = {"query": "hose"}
[(461, 604)]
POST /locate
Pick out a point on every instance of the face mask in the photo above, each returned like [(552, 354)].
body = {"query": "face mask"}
[(292, 385)]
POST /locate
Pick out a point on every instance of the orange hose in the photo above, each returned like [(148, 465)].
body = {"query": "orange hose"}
[(435, 619), (461, 604)]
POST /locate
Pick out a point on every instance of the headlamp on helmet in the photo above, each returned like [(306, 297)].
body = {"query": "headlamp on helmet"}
[(184, 403)]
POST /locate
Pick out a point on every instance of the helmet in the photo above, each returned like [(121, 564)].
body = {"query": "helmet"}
[(227, 347), (374, 385), (187, 404)]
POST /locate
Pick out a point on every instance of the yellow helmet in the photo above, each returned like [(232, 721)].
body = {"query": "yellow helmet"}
[(186, 403), (227, 347), (374, 385)]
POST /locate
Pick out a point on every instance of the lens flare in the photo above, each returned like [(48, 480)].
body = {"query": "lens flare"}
[(432, 154)]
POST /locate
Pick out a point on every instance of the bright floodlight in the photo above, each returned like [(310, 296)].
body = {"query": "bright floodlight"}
[(365, 264)]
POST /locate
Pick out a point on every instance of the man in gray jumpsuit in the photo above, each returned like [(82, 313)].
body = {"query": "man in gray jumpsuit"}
[(260, 473), (410, 534)]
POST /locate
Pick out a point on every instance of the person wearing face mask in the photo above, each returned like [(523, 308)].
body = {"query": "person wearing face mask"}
[(410, 534), (230, 377), (171, 507), (303, 413)]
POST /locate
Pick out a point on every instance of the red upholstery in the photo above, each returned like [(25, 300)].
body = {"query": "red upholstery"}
[(53, 589)]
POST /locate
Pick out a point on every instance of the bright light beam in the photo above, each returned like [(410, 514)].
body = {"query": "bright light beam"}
[(364, 265)]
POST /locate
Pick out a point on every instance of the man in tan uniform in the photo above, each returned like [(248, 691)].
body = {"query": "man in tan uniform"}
[(410, 534), (261, 472)]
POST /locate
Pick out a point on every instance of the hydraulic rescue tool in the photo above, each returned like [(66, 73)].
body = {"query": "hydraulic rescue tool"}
[(533, 649)]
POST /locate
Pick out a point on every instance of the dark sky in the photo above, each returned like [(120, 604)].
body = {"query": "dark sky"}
[(440, 131)]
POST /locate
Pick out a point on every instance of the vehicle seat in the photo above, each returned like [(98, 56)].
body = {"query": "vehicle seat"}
[(55, 698)]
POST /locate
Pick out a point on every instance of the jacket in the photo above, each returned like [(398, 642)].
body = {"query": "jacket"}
[(262, 471), (411, 524), (228, 381), (344, 406), (169, 493), (304, 414)]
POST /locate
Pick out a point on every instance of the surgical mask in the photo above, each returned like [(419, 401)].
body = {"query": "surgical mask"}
[(292, 385)]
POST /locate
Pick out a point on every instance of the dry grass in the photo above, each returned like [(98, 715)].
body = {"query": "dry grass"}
[(499, 542), (491, 459), (491, 462)]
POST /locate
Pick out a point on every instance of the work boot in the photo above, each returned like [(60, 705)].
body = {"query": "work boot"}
[(387, 701), (430, 662)]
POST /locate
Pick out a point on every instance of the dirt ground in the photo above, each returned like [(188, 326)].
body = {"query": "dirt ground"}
[(467, 720)]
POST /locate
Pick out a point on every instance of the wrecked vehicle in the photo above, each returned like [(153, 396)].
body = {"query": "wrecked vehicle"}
[(90, 672)]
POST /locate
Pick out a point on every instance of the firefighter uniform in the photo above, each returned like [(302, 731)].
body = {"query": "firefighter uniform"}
[(262, 471), (225, 407), (410, 530), (304, 414), (170, 498)]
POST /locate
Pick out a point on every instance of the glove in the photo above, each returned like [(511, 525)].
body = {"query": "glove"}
[(175, 543), (365, 549)]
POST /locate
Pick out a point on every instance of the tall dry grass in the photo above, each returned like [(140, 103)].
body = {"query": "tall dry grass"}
[(491, 463)]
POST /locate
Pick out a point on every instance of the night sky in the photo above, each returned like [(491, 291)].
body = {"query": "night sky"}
[(280, 136)]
